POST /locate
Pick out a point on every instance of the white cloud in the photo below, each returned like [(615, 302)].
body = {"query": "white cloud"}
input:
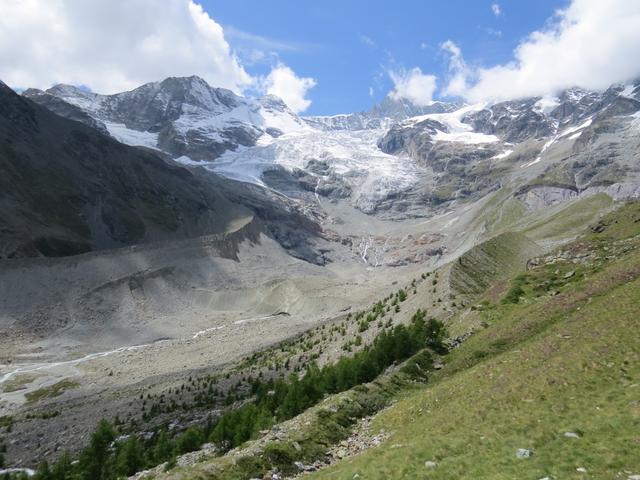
[(590, 44), (371, 92), (496, 9), (284, 83), (413, 85), (113, 45), (458, 71)]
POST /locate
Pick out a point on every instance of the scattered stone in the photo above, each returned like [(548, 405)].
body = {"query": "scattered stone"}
[(569, 274), (571, 435), (633, 477), (430, 464), (524, 453), (299, 465), (581, 470)]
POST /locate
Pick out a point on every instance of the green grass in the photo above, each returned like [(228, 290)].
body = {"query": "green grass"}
[(542, 367), (570, 220), (493, 260), (54, 390), (618, 225)]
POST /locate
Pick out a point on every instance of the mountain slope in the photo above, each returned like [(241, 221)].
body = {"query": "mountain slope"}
[(68, 189), (555, 374), (398, 160), (545, 386), (577, 144), (182, 116)]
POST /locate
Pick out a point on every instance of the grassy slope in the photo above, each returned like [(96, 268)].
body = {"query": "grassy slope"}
[(570, 220), (495, 259), (546, 366), (563, 359), (505, 213)]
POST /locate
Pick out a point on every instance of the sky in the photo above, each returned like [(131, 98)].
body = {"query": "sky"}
[(350, 47), (325, 57)]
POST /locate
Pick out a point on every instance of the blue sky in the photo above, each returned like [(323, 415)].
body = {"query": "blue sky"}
[(330, 56), (348, 46)]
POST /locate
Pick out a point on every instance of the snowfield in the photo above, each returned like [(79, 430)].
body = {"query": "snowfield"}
[(128, 136), (458, 131)]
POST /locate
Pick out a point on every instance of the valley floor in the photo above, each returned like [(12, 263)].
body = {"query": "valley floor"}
[(190, 313)]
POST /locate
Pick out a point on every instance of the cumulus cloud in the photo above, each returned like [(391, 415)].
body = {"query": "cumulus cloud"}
[(496, 9), (113, 45), (590, 44), (413, 85), (283, 82)]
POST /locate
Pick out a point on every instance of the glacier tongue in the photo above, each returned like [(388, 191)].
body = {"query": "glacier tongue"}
[(352, 155)]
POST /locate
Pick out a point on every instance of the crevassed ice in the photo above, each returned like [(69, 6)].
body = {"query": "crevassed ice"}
[(352, 154)]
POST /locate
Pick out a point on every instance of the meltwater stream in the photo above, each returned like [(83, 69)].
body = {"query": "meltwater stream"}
[(35, 367)]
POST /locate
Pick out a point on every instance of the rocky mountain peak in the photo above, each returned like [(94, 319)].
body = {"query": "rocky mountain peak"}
[(273, 102), (400, 109), (183, 116), (196, 92)]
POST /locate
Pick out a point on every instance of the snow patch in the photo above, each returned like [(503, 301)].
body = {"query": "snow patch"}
[(571, 130), (128, 136), (471, 138), (628, 91), (187, 161), (537, 160), (458, 131), (504, 154)]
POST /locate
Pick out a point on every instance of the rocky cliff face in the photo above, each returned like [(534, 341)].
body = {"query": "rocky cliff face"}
[(69, 189), (577, 141)]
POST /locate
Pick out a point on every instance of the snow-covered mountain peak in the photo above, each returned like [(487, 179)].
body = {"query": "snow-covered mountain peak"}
[(63, 90), (370, 159), (185, 116), (382, 115), (196, 92)]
